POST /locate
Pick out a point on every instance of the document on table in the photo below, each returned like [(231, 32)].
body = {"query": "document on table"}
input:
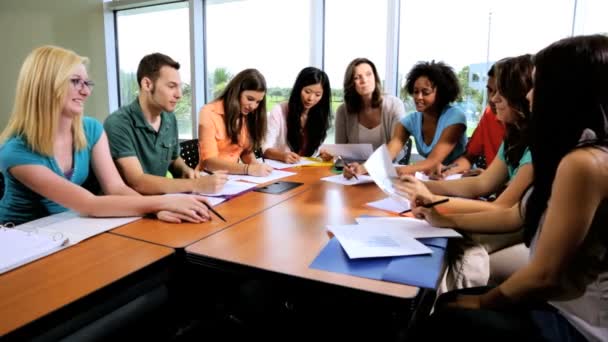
[(414, 228), (340, 179), (75, 227), (274, 175), (349, 151), (390, 204), (275, 164), (232, 187), (380, 167), (365, 241), (423, 177)]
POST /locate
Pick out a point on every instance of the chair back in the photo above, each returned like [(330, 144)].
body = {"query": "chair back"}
[(189, 152), (408, 153)]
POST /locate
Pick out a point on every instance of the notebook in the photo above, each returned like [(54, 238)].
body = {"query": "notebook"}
[(36, 239), (18, 247)]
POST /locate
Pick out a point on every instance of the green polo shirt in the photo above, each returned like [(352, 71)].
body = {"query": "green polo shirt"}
[(131, 135)]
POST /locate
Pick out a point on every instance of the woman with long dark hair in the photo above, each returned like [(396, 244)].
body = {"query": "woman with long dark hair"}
[(233, 126), (298, 127), (560, 295)]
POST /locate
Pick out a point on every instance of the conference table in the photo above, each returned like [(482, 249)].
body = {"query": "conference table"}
[(279, 234), (48, 287), (234, 210), (287, 237)]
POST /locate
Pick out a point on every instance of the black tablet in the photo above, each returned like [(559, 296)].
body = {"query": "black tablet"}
[(277, 187)]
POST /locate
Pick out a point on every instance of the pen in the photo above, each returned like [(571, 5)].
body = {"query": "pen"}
[(208, 171), (213, 211), (262, 155), (428, 205), (347, 165)]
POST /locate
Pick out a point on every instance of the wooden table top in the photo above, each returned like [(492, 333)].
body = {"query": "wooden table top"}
[(45, 285), (234, 211), (286, 238)]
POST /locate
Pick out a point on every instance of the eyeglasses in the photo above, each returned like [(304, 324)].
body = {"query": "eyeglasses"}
[(79, 83)]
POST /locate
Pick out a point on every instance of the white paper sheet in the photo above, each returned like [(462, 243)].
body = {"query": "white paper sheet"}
[(75, 227), (232, 187), (340, 179), (423, 177), (275, 164), (364, 241), (380, 167), (276, 174), (415, 228), (390, 204), (349, 151)]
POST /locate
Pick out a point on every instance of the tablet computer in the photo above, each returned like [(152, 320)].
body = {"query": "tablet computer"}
[(277, 187)]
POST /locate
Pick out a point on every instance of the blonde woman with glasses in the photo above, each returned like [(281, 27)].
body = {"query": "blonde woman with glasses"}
[(48, 148)]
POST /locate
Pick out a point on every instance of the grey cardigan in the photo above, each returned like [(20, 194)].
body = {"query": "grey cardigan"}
[(347, 124)]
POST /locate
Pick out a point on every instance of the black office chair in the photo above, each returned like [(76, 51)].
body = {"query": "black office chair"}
[(189, 152), (408, 153)]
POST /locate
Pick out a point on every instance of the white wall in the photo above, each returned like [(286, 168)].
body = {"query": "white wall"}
[(72, 24)]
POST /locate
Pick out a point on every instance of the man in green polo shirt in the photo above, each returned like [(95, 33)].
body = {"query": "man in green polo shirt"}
[(143, 135)]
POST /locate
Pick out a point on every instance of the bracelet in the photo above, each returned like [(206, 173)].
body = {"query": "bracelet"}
[(247, 169)]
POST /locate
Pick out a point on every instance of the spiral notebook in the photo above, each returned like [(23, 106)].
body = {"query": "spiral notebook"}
[(36, 239), (18, 247)]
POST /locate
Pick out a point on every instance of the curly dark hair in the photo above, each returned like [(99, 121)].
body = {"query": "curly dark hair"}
[(319, 116), (442, 77)]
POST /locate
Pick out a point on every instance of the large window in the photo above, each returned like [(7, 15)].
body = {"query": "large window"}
[(470, 35), (353, 28), (164, 29), (273, 36), (591, 17)]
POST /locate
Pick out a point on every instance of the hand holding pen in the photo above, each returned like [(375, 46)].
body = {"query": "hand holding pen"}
[(350, 170), (424, 209)]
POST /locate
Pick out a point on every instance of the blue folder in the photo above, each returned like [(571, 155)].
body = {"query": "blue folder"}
[(415, 270)]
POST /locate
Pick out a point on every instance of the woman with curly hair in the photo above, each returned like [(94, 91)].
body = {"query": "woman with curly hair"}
[(437, 127)]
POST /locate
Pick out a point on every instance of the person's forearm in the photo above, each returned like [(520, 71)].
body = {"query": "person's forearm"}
[(463, 205), (220, 164), (116, 206), (467, 187), (496, 221), (179, 168), (274, 154), (422, 166), (156, 185)]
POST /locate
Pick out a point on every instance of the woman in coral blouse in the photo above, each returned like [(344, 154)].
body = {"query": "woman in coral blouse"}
[(233, 126)]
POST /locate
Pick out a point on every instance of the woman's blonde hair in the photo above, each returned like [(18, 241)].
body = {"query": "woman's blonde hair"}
[(42, 87)]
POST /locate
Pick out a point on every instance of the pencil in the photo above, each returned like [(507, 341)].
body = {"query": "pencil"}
[(213, 211), (208, 171), (428, 205)]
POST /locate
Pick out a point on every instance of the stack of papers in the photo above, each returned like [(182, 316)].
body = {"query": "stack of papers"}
[(387, 237)]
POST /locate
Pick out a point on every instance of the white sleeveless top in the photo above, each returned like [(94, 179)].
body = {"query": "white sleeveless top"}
[(585, 282)]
